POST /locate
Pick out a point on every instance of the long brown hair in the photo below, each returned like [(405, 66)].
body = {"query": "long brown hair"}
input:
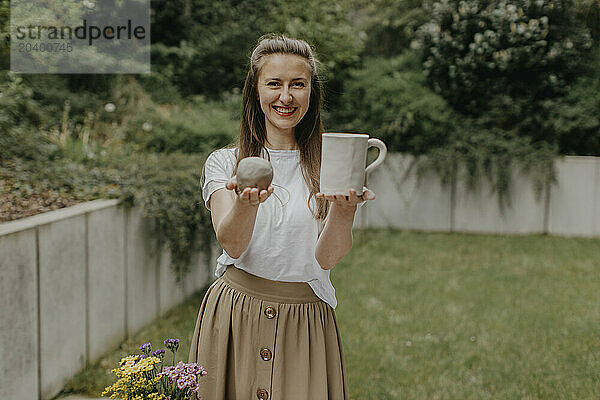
[(253, 134)]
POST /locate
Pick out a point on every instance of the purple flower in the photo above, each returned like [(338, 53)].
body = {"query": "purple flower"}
[(172, 344), (141, 356), (146, 348), (159, 353)]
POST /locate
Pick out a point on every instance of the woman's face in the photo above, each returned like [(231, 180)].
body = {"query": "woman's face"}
[(284, 91)]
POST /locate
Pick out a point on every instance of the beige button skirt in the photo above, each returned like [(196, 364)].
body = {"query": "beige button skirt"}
[(264, 339)]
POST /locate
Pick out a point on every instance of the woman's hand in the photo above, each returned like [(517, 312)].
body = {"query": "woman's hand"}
[(249, 196), (335, 241), (349, 201)]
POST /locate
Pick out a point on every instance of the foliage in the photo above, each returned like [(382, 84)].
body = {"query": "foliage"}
[(197, 125), (95, 160), (166, 186), (575, 118), (503, 66), (474, 50), (588, 11), (389, 99), (18, 112), (4, 34), (390, 25), (476, 153)]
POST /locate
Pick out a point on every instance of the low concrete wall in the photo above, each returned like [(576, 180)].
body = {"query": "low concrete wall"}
[(74, 283), (19, 346), (571, 208), (575, 203)]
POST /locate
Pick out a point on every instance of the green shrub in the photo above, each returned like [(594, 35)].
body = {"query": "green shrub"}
[(390, 25), (4, 35), (389, 99), (588, 11), (473, 50), (194, 126), (42, 149), (575, 119), (19, 115)]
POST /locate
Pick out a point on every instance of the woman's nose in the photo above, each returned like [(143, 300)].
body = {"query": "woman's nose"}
[(285, 96)]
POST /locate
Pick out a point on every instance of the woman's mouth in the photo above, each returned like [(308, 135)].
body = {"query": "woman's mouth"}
[(285, 111)]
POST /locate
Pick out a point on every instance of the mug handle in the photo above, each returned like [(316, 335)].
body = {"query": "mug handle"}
[(382, 153)]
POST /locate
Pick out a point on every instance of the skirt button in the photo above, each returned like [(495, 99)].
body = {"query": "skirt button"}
[(265, 354), (262, 394), (270, 312)]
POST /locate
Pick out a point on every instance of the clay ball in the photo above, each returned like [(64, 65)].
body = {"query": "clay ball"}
[(254, 172)]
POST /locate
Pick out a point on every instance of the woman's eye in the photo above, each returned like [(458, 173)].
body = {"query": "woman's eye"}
[(273, 83), (299, 84)]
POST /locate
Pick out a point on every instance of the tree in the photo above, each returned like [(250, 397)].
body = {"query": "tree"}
[(473, 50), (390, 25), (207, 51)]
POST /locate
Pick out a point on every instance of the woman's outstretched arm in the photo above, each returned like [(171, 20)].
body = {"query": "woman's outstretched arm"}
[(233, 216), (336, 239)]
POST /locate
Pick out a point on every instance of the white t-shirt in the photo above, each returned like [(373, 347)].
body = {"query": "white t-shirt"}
[(285, 235)]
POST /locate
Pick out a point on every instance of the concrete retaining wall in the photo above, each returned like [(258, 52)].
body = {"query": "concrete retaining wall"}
[(74, 283), (571, 208)]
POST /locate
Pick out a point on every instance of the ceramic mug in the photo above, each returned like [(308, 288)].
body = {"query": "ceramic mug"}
[(343, 160)]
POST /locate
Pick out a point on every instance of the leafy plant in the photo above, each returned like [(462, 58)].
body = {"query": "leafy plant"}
[(390, 25), (476, 153), (473, 50), (575, 118), (389, 98)]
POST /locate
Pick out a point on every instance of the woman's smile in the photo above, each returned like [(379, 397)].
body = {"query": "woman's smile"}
[(285, 111)]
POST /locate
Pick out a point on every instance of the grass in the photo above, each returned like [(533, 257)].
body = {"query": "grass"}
[(460, 316), (448, 316)]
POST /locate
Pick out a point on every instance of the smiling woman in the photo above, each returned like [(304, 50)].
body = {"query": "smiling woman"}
[(267, 326)]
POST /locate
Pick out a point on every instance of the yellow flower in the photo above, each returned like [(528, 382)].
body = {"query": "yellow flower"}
[(135, 381)]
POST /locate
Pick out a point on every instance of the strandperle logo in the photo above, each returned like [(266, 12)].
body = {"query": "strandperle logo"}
[(80, 36), (90, 33)]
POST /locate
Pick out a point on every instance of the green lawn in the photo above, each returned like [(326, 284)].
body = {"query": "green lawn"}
[(449, 316), (459, 316)]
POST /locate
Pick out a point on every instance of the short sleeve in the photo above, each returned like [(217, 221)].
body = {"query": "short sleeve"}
[(217, 171)]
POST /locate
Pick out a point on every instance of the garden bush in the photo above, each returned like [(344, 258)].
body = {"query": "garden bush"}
[(473, 50), (389, 99), (51, 156), (197, 125), (575, 118), (390, 25)]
